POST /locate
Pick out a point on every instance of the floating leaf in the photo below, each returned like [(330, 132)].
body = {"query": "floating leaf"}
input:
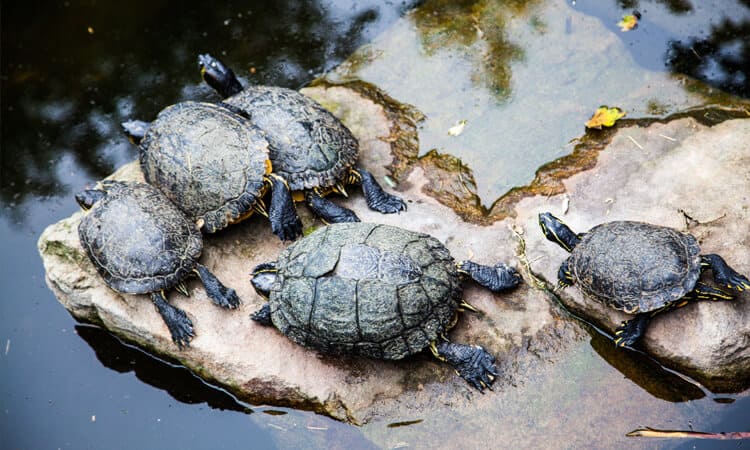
[(605, 117), (458, 128), (629, 22)]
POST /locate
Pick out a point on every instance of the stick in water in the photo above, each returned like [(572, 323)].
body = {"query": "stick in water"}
[(651, 432)]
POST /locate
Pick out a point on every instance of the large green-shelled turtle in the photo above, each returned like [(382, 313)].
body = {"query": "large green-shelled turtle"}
[(312, 149), (140, 243), (639, 268), (213, 164), (377, 291)]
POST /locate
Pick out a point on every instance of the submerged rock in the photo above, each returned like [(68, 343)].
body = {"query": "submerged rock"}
[(683, 170)]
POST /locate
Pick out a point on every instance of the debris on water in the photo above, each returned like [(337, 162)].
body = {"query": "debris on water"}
[(90, 30), (565, 204), (458, 128), (390, 181), (7, 347), (605, 117), (652, 432), (629, 22)]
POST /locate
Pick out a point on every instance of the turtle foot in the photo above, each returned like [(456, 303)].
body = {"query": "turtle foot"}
[(497, 278), (329, 211), (178, 323), (724, 275), (630, 331), (217, 292), (377, 199), (472, 362)]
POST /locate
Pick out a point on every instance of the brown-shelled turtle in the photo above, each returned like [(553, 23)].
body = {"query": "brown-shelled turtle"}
[(140, 243), (639, 268), (213, 164), (377, 291), (312, 149)]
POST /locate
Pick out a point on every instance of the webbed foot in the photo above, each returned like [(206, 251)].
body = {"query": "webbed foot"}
[(377, 199), (631, 330), (472, 362), (725, 275), (178, 323), (329, 211), (263, 315), (497, 278), (285, 222), (217, 292)]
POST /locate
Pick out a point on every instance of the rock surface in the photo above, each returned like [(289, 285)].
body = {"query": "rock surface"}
[(682, 166)]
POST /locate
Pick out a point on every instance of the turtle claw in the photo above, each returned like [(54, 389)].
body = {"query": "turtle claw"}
[(377, 199), (178, 323), (725, 275), (629, 331), (471, 362)]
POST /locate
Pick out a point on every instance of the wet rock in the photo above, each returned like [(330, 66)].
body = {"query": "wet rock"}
[(259, 364), (680, 174)]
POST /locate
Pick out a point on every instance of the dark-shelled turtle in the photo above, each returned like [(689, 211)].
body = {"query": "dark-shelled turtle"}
[(213, 164), (140, 243), (312, 149), (377, 291), (639, 268)]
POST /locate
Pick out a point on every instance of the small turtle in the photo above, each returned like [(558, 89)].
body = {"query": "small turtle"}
[(638, 268), (213, 164), (140, 243), (314, 152), (376, 291)]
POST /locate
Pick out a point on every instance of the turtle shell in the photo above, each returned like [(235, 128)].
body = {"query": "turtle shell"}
[(208, 160), (138, 241), (634, 266), (310, 147), (365, 289)]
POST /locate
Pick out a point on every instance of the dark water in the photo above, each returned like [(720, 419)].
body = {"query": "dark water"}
[(71, 72)]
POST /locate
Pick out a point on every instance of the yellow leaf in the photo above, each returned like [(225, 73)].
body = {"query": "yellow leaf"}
[(457, 129), (605, 117), (629, 22)]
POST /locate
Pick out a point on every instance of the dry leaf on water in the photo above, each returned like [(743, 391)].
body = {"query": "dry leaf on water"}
[(605, 117)]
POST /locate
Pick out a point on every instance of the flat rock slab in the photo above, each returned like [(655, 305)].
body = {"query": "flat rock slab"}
[(701, 171)]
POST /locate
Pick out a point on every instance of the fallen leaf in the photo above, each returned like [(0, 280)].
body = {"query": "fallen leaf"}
[(629, 22), (458, 128), (605, 117)]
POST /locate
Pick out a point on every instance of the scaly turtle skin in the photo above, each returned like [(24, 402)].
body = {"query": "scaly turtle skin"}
[(314, 152), (213, 164), (140, 243), (376, 291), (638, 268)]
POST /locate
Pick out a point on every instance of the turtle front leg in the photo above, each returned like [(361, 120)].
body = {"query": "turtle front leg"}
[(631, 330), (497, 278), (178, 323), (472, 363), (377, 199), (564, 276), (723, 274), (327, 210), (285, 222), (263, 315), (217, 292)]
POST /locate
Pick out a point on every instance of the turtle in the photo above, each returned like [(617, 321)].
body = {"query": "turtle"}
[(376, 291), (141, 243), (639, 268), (212, 162), (312, 149)]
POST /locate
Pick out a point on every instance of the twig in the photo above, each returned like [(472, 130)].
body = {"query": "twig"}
[(635, 142), (651, 432)]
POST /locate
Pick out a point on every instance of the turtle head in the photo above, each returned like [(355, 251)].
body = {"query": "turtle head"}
[(218, 76), (556, 231), (135, 130), (87, 198), (264, 275)]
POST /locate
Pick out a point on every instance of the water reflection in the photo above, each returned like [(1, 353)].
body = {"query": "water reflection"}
[(78, 69), (179, 382)]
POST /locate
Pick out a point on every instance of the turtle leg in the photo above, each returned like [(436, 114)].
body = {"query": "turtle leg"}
[(180, 326), (564, 276), (631, 330), (217, 292), (327, 210), (135, 130), (263, 315), (497, 278), (285, 222), (703, 291), (472, 363), (723, 274), (377, 199)]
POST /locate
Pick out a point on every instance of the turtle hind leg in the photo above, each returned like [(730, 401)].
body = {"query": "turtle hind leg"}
[(472, 363), (725, 275), (285, 222), (178, 323), (327, 210), (564, 276), (377, 199), (497, 278), (631, 330), (217, 292)]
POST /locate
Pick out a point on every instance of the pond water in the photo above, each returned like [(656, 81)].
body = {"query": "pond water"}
[(525, 74)]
